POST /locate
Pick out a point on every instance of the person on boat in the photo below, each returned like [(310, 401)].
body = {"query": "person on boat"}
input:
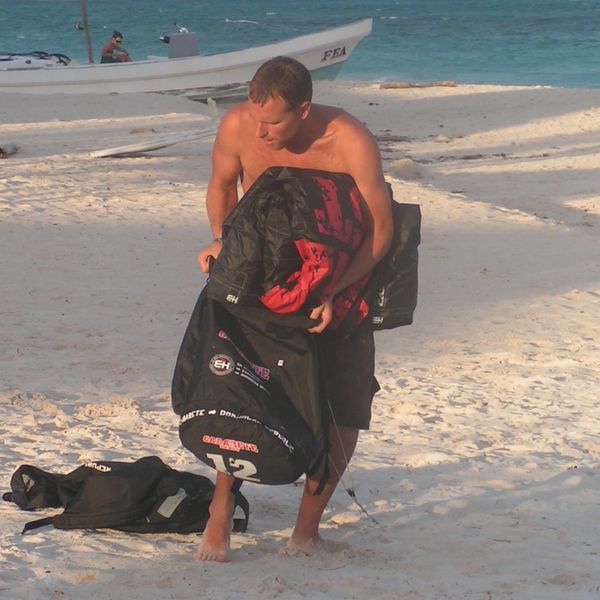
[(113, 52), (278, 125)]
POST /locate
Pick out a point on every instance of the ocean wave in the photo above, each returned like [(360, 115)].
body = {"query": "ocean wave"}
[(242, 21)]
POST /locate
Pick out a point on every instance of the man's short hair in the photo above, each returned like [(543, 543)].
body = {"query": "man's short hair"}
[(117, 34), (281, 77)]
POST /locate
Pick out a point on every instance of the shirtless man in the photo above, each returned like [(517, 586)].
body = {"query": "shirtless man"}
[(279, 126), (112, 51)]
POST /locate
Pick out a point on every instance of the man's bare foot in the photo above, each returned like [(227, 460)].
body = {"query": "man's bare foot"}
[(302, 546), (216, 544)]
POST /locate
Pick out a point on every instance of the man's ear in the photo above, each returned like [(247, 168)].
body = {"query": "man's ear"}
[(304, 109)]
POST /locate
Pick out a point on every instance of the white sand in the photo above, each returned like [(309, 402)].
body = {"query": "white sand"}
[(481, 466)]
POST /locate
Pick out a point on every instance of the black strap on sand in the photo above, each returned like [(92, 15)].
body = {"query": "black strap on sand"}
[(36, 524), (240, 525)]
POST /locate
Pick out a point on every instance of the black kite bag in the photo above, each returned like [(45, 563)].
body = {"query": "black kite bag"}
[(245, 387), (144, 496)]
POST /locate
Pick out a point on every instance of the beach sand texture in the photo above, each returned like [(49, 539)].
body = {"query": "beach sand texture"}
[(481, 466)]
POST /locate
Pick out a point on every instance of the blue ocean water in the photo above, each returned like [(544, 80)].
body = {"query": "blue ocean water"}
[(548, 42)]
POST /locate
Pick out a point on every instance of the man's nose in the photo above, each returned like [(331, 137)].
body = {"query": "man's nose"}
[(261, 130)]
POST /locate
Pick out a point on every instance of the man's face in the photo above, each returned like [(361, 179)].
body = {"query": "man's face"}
[(278, 125)]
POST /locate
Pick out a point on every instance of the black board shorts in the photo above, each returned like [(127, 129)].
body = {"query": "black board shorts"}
[(347, 377)]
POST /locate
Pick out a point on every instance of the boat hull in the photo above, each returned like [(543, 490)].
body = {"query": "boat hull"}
[(319, 52)]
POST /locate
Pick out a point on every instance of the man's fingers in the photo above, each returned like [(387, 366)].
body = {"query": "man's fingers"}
[(205, 261), (202, 262), (322, 313), (315, 313), (208, 255), (210, 261), (317, 329)]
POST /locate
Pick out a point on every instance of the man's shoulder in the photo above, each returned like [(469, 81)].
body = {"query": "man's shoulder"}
[(236, 112), (343, 130), (232, 122), (234, 119), (339, 118)]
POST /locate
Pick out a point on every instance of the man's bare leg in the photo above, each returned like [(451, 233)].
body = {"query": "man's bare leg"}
[(305, 537), (216, 544)]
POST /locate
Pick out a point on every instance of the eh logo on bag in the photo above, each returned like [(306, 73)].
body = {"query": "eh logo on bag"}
[(221, 364)]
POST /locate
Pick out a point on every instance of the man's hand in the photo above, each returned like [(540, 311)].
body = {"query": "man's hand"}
[(213, 249), (324, 312)]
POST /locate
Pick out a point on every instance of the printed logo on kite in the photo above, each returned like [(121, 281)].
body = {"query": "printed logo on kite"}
[(221, 364), (229, 444)]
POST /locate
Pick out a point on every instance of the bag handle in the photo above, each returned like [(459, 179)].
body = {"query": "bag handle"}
[(36, 524)]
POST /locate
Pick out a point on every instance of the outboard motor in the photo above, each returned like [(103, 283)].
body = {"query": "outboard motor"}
[(183, 43)]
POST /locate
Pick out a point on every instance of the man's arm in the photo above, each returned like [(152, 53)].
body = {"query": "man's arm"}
[(363, 161), (221, 195)]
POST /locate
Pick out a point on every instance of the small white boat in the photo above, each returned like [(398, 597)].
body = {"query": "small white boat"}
[(32, 60), (197, 76)]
